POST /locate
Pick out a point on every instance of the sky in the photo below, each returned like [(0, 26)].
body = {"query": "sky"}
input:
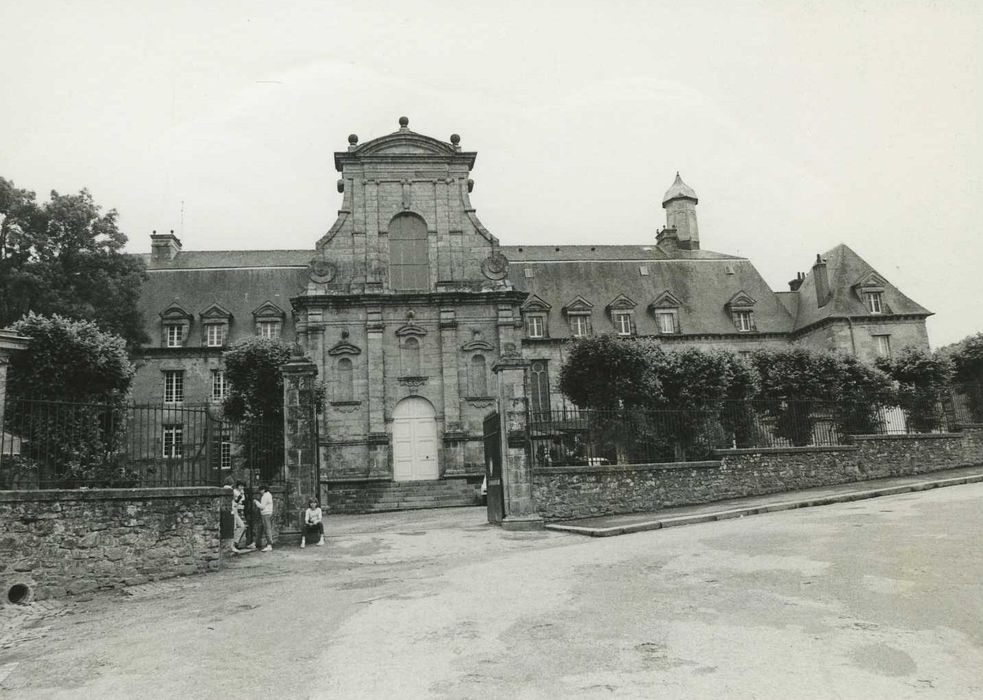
[(800, 125)]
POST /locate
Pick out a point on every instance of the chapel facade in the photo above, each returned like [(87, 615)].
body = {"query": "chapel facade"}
[(408, 301)]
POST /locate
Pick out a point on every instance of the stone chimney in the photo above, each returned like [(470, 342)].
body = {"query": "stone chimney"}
[(821, 278), (794, 285), (667, 239), (164, 246)]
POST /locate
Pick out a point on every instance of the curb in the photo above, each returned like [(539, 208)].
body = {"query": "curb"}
[(660, 523)]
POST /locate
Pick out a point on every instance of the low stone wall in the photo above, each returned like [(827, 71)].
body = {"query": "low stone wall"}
[(73, 541), (562, 493)]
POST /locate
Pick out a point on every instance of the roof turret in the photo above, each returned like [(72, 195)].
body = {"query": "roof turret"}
[(679, 190)]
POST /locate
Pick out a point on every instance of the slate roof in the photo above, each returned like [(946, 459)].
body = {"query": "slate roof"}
[(191, 259), (845, 270), (567, 253), (679, 190), (702, 285)]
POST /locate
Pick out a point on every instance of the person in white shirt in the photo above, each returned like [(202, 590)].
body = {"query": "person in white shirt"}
[(265, 506), (238, 505), (313, 527)]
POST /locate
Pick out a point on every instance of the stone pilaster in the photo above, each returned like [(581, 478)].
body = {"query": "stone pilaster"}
[(299, 438), (520, 507)]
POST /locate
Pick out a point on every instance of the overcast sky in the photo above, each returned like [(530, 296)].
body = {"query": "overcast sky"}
[(800, 125)]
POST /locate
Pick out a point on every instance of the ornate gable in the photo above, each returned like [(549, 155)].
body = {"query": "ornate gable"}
[(215, 313), (621, 302), (534, 303), (268, 310), (741, 300), (666, 300), (578, 305), (871, 282), (176, 312)]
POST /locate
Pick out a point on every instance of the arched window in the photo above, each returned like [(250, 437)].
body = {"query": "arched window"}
[(409, 260), (477, 382), (346, 380), (411, 357)]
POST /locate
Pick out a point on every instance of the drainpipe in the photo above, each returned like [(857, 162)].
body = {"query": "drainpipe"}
[(853, 341)]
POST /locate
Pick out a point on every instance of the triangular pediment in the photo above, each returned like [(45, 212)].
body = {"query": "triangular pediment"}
[(741, 300), (534, 303), (622, 302), (176, 312), (871, 280), (666, 300), (577, 304), (268, 310), (215, 312)]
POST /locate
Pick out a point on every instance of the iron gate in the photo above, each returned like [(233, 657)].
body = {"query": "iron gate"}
[(493, 468)]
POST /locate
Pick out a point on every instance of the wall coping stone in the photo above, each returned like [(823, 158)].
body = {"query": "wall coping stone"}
[(139, 494), (909, 436), (784, 450), (621, 468), (971, 426)]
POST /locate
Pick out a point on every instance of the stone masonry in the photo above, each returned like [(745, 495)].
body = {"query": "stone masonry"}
[(69, 542)]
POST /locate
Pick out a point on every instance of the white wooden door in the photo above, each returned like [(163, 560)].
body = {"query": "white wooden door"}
[(414, 440)]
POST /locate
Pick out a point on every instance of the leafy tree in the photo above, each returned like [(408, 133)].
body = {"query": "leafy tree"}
[(605, 372), (87, 372), (252, 368), (923, 382), (66, 257), (967, 360)]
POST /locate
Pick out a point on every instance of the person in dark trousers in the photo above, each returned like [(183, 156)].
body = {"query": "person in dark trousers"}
[(265, 506), (313, 527)]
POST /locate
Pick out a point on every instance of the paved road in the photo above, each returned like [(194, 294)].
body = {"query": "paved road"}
[(874, 599)]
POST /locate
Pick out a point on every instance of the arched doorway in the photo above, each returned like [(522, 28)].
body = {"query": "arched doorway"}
[(414, 440)]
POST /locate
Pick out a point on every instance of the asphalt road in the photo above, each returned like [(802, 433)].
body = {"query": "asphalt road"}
[(872, 599)]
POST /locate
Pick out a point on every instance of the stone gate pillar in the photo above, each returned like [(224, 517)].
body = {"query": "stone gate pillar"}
[(300, 457), (9, 344), (520, 506)]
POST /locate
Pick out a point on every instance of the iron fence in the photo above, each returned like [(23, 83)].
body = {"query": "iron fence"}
[(576, 437), (51, 444)]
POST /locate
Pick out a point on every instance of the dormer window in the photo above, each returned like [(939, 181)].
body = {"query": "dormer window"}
[(535, 312), (268, 329), (873, 302), (175, 324), (578, 313), (665, 310), (622, 312), (741, 308), (743, 320), (215, 322), (268, 320)]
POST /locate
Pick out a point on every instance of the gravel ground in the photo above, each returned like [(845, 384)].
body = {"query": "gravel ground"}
[(873, 599)]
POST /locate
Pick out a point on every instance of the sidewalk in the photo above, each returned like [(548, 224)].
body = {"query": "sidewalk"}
[(610, 525)]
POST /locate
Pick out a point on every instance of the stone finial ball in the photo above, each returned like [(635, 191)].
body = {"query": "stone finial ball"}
[(353, 139), (455, 139), (404, 121)]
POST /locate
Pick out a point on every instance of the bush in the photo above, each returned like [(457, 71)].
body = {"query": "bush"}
[(923, 383), (252, 369)]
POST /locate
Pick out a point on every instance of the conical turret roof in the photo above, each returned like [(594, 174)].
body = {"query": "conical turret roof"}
[(679, 190)]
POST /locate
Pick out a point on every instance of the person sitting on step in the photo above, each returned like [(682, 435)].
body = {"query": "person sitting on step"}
[(313, 527)]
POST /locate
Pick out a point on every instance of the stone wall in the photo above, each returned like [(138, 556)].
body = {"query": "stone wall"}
[(576, 492), (68, 542)]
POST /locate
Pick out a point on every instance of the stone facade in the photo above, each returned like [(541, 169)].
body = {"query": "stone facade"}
[(68, 542), (563, 493), (408, 301)]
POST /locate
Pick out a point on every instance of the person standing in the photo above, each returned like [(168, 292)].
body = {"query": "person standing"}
[(238, 508), (313, 525), (265, 506)]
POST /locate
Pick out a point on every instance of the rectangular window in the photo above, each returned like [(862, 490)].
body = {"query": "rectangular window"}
[(173, 440), (225, 451), (742, 319), (622, 323), (218, 385), (173, 386), (666, 321), (172, 335), (883, 345), (580, 325), (215, 335), (269, 329), (536, 326), (874, 304)]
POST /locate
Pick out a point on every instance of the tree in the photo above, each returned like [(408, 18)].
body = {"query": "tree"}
[(66, 257), (252, 369), (67, 397), (923, 382), (606, 372), (967, 361)]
